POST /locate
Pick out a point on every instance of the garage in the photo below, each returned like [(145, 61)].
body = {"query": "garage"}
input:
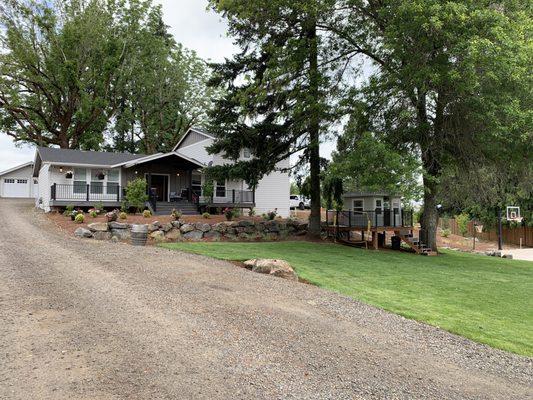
[(17, 182), (16, 187)]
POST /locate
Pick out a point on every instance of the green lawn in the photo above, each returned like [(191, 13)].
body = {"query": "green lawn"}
[(486, 299)]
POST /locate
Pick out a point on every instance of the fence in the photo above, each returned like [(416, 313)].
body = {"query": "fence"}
[(510, 235)]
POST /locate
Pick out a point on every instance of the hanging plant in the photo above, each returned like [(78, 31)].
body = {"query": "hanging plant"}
[(69, 175), (101, 175)]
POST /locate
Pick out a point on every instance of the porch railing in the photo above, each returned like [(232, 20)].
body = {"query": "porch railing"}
[(86, 192), (376, 218), (231, 196)]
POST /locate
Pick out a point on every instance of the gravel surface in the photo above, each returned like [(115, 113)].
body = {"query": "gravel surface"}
[(82, 319)]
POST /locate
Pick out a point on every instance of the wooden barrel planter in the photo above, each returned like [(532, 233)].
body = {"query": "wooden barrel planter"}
[(139, 235)]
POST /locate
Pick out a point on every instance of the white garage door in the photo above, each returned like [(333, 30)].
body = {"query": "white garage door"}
[(16, 187)]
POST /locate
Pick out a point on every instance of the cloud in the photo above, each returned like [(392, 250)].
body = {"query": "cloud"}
[(11, 156)]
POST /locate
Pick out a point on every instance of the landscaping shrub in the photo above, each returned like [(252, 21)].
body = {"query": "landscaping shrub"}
[(79, 219), (208, 189), (136, 195), (99, 207), (123, 215), (271, 215), (176, 214), (206, 215), (462, 223), (68, 211), (229, 213), (445, 232), (93, 213), (251, 213), (147, 213)]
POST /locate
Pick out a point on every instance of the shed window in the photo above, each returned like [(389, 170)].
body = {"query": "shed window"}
[(246, 153), (9, 180), (358, 205)]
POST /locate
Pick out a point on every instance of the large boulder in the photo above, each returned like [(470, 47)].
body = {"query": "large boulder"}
[(118, 225), (245, 223), (173, 234), (176, 224), (98, 227), (121, 234), (153, 228), (193, 235), (83, 233), (212, 235), (186, 228), (279, 268), (200, 226), (220, 227), (166, 227), (158, 236)]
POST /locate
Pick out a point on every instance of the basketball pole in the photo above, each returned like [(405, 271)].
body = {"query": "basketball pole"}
[(500, 238)]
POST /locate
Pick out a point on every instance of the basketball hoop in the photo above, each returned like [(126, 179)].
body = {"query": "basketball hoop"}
[(513, 214)]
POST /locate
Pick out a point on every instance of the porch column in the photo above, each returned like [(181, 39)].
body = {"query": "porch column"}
[(375, 240), (189, 177), (149, 185)]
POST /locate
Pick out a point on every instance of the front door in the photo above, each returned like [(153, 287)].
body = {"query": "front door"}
[(159, 187)]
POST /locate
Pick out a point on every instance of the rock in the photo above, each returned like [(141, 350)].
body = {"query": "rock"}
[(157, 223), (245, 223), (186, 228), (152, 228), (121, 234), (300, 233), (260, 227), (83, 233), (497, 254), (118, 225), (213, 235), (220, 227), (111, 216), (176, 224), (244, 236), (173, 234), (114, 239), (158, 236), (166, 227), (509, 256), (490, 253), (99, 235), (279, 268), (250, 263), (194, 235), (98, 227), (200, 226), (271, 226)]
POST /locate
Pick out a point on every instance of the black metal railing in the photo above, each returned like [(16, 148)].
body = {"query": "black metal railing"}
[(86, 192), (231, 196), (375, 218)]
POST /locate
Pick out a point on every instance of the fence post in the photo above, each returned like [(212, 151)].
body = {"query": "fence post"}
[(233, 196), (88, 191), (376, 217), (54, 191), (118, 194), (349, 218)]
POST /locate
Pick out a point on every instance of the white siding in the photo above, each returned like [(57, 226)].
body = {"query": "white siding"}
[(273, 192), (43, 199), (22, 173), (198, 151)]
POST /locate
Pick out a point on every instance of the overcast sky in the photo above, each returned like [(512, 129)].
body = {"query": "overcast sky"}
[(193, 26)]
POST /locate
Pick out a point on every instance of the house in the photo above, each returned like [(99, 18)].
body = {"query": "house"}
[(18, 182), (175, 179), (382, 208)]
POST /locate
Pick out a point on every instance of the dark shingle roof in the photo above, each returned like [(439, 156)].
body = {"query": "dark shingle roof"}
[(370, 194), (54, 155)]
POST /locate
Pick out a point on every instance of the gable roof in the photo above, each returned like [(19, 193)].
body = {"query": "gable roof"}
[(194, 129), (153, 157), (7, 171), (53, 155), (370, 194)]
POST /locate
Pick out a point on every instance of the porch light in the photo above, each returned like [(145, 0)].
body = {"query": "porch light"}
[(61, 169), (136, 172), (178, 174)]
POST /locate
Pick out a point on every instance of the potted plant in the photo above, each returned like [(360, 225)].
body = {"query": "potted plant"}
[(229, 213), (69, 175)]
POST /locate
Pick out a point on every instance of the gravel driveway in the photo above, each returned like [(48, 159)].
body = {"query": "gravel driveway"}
[(81, 319)]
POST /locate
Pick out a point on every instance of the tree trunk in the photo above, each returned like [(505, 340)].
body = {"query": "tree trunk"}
[(314, 131), (430, 216)]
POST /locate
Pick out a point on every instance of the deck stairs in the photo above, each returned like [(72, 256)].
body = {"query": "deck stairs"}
[(165, 208), (416, 245)]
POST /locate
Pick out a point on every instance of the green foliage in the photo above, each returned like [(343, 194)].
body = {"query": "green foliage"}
[(68, 210), (123, 215), (208, 189), (206, 215), (79, 219), (462, 223), (415, 287), (251, 212), (93, 214), (445, 232), (294, 188), (136, 195), (99, 207), (176, 214), (271, 215), (229, 213), (147, 213)]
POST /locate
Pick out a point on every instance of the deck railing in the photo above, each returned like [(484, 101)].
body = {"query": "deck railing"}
[(376, 218), (86, 192), (231, 196)]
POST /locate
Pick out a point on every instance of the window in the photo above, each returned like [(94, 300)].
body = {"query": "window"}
[(22, 181), (97, 186), (246, 153), (220, 189), (113, 177), (80, 180), (196, 183), (379, 205), (9, 180), (358, 205), (294, 197)]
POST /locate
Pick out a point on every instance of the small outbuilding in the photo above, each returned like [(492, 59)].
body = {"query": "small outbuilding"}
[(18, 182), (384, 207)]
